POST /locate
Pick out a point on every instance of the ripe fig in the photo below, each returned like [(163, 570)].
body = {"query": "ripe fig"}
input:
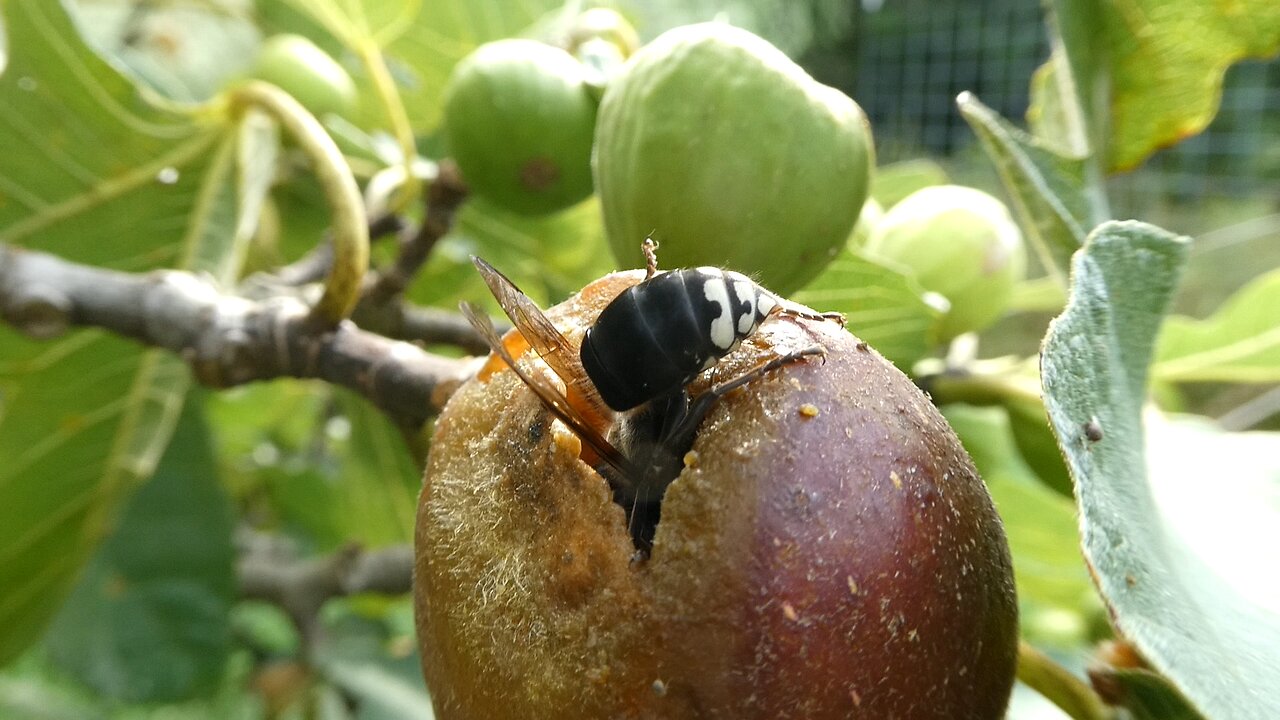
[(519, 119), (306, 72), (728, 153), (962, 244), (828, 551)]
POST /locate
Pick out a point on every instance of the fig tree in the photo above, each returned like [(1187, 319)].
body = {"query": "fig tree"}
[(826, 551)]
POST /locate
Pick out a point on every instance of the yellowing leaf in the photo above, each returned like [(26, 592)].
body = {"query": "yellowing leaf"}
[(1168, 58)]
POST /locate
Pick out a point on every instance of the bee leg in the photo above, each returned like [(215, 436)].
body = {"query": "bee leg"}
[(650, 249), (675, 420), (794, 310), (681, 432)]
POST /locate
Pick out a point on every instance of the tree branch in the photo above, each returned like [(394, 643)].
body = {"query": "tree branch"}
[(227, 340), (271, 572)]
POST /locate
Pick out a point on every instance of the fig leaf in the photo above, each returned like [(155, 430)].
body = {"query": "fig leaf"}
[(1192, 44), (1239, 343), (1046, 187), (1156, 522), (148, 620), (85, 418), (883, 305)]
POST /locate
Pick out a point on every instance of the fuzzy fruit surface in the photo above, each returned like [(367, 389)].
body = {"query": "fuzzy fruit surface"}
[(309, 74), (519, 120), (962, 244), (729, 154), (828, 552)]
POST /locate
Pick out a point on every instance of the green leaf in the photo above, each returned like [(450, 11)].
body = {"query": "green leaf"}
[(1176, 535), (1190, 45), (375, 662), (1239, 343), (1068, 101), (421, 41), (31, 696), (890, 183), (1164, 61), (548, 256), (4, 46), (31, 689), (1055, 596), (332, 467), (185, 51), (100, 175), (882, 305), (1013, 384), (1146, 695), (148, 620), (1047, 188), (1035, 441)]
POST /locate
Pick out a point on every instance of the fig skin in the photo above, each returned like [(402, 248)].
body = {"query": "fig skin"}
[(727, 152), (828, 552), (519, 119), (961, 243), (306, 72)]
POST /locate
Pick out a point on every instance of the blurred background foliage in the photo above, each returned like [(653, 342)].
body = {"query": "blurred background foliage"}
[(138, 572)]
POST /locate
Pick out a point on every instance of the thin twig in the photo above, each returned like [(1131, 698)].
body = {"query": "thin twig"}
[(444, 197), (1071, 694), (312, 267), (266, 571)]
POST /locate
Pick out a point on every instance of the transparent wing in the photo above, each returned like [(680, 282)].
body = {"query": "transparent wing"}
[(551, 397), (551, 345), (543, 336)]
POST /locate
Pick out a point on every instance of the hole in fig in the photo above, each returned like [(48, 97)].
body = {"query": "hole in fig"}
[(642, 521)]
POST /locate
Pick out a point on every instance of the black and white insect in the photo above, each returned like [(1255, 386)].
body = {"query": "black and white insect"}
[(626, 391)]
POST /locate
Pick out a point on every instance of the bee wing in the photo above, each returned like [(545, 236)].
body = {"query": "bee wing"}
[(551, 397), (551, 345)]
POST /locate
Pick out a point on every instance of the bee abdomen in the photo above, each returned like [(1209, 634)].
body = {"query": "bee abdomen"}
[(658, 335)]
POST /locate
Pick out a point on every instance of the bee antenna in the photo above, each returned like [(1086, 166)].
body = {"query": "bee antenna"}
[(650, 249)]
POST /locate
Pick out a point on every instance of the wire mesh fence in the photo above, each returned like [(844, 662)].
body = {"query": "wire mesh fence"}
[(915, 56)]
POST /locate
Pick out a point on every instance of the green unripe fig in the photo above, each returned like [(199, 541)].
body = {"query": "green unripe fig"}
[(519, 119), (962, 244), (306, 72), (729, 154), (871, 215), (604, 24)]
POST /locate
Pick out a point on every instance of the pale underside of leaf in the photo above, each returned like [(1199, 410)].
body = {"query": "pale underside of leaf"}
[(1202, 629)]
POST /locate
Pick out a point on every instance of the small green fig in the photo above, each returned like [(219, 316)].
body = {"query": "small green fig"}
[(828, 551), (962, 244), (729, 154), (519, 120), (604, 24), (306, 72), (871, 215)]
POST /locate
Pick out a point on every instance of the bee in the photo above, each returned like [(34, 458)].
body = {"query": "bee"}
[(625, 386)]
